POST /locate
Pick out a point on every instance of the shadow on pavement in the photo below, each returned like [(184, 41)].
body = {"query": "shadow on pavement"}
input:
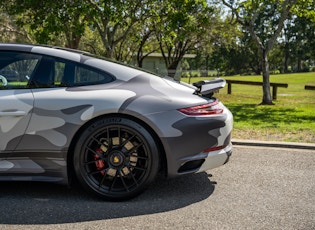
[(44, 203)]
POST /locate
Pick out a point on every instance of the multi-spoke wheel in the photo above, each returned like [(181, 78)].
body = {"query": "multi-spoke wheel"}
[(116, 158)]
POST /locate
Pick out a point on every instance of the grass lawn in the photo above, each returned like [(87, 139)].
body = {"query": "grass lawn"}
[(291, 119)]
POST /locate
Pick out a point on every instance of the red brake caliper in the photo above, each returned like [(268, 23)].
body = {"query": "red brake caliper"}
[(99, 163)]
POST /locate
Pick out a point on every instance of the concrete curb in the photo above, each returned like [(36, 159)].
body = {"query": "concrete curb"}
[(307, 146)]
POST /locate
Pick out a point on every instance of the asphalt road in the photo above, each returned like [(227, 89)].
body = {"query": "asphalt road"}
[(260, 188)]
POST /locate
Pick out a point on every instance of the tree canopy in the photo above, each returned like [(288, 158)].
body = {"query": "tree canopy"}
[(229, 36)]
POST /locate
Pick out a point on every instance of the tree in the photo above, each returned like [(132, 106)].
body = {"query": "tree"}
[(10, 32), (181, 26), (50, 19), (233, 51), (114, 20), (299, 34), (264, 21), (144, 50)]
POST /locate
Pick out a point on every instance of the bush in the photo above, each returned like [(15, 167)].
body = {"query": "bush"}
[(277, 71)]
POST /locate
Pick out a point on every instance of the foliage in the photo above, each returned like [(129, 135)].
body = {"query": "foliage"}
[(181, 26), (298, 44), (50, 19), (10, 30), (131, 30), (114, 20), (304, 8)]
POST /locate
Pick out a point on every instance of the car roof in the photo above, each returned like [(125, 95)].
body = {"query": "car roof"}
[(55, 51), (83, 57), (29, 47)]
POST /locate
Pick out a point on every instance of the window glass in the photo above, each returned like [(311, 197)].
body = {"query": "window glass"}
[(56, 72), (48, 74), (88, 76), (16, 69)]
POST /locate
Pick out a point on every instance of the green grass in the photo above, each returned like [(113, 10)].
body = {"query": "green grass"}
[(291, 119)]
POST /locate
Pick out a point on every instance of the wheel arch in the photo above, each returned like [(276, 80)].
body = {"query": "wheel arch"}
[(70, 152)]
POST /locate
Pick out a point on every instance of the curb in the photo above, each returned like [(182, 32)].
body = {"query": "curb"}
[(292, 145)]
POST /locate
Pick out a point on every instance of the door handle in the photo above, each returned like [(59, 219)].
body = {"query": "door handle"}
[(12, 113)]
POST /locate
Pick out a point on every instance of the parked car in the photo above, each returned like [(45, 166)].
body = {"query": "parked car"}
[(112, 127)]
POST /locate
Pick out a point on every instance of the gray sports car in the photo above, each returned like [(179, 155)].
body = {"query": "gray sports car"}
[(67, 114)]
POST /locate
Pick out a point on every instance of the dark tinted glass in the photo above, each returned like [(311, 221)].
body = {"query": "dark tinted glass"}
[(16, 69), (56, 72)]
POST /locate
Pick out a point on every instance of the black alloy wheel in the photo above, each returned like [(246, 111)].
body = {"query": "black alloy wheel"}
[(116, 158)]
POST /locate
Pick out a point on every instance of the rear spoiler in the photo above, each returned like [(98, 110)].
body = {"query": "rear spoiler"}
[(207, 88)]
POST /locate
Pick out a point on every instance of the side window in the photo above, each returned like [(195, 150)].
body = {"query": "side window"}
[(16, 69), (56, 72), (49, 73), (87, 76)]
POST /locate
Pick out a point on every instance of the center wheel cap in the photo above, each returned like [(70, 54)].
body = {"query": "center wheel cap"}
[(116, 159)]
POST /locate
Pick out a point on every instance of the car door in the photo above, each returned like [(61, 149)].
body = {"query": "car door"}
[(15, 112), (16, 98), (46, 122)]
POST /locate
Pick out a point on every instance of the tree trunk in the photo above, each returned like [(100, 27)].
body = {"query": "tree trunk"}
[(171, 70), (73, 41), (286, 58), (299, 64), (267, 99), (109, 52)]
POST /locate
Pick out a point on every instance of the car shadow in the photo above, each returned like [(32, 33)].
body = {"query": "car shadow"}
[(45, 203)]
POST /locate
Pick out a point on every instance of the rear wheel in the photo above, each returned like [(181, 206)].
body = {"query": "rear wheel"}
[(116, 158)]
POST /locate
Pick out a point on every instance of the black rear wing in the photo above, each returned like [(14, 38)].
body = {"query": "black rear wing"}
[(207, 88)]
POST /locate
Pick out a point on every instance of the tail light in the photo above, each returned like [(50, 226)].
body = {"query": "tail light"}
[(212, 108)]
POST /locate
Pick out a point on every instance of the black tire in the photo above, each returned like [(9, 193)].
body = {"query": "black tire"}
[(116, 158)]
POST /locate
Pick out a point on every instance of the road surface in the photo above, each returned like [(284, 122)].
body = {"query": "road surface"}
[(260, 188)]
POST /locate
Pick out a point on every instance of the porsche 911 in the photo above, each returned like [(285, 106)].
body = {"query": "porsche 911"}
[(68, 115)]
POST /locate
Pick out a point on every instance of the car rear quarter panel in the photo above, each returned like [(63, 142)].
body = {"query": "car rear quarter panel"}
[(184, 138)]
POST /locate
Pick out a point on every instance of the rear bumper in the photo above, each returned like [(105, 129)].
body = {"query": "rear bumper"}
[(216, 158)]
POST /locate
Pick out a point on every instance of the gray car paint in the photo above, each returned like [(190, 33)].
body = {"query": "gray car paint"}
[(36, 143)]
